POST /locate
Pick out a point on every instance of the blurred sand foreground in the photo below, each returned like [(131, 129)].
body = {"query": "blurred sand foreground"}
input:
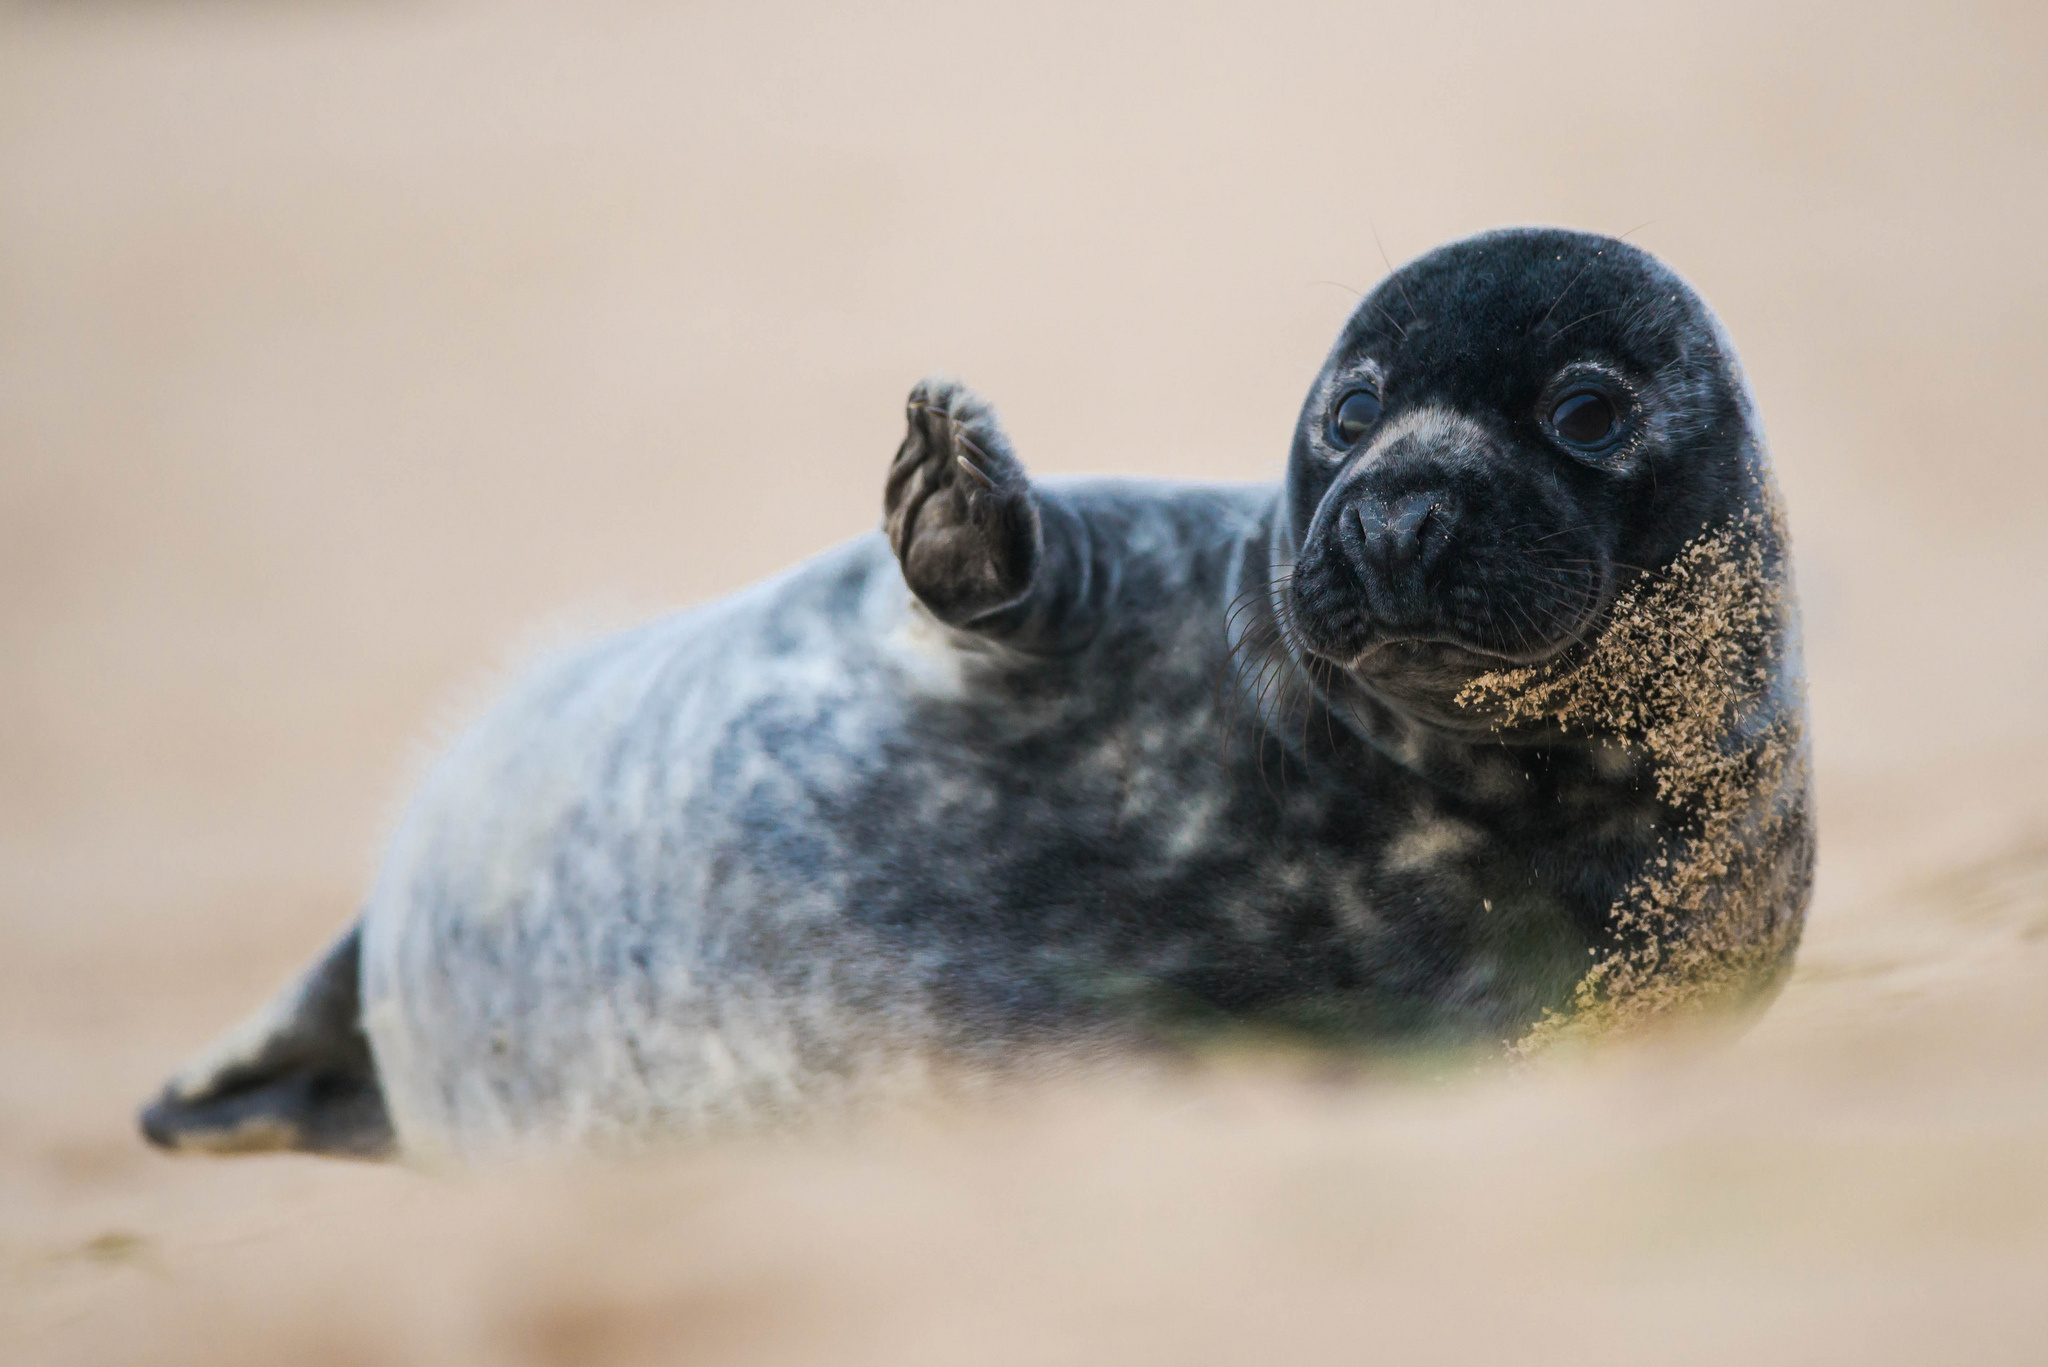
[(344, 351)]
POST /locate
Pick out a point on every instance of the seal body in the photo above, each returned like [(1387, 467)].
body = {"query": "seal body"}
[(1049, 771), (810, 842)]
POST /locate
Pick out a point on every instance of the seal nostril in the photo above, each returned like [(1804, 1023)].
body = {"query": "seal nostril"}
[(1407, 525), (1356, 537)]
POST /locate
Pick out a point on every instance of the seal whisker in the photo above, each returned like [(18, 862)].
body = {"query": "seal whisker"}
[(1560, 332), (1400, 284)]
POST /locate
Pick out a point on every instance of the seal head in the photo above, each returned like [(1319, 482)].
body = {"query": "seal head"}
[(1507, 431)]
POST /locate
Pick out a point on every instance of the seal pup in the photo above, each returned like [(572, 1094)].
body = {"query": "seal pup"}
[(1485, 725)]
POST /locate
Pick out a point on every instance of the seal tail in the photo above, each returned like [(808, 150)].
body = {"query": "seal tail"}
[(296, 1076)]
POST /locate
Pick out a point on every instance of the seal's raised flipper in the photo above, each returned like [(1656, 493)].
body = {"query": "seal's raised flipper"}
[(981, 546), (297, 1075), (960, 511)]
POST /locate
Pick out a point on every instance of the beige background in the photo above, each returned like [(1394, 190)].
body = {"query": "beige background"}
[(347, 352)]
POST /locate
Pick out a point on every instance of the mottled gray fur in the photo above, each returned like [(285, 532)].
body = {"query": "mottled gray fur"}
[(1040, 773)]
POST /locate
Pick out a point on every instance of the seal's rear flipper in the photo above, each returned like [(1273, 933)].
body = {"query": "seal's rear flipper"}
[(297, 1075)]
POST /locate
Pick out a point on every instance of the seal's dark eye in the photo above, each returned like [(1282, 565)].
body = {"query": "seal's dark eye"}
[(1584, 419), (1356, 411)]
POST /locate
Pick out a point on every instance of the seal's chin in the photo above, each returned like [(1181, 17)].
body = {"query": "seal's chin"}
[(1418, 678)]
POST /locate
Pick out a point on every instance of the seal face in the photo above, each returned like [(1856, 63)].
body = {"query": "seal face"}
[(1485, 726), (1548, 412)]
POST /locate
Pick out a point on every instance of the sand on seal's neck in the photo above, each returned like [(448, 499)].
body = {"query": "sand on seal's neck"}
[(1698, 671)]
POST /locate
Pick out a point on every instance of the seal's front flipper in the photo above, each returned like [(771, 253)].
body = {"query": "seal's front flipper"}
[(982, 547), (297, 1075), (960, 511)]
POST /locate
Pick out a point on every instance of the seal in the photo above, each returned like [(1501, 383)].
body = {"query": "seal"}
[(1486, 725)]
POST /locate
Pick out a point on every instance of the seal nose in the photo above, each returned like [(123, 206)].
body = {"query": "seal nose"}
[(1390, 536)]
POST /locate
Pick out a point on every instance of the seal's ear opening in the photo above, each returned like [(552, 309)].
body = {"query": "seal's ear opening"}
[(298, 1076)]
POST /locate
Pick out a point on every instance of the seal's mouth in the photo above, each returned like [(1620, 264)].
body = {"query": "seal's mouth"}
[(1390, 644), (1453, 635), (1397, 651)]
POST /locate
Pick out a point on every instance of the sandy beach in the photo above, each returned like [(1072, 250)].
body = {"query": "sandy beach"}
[(352, 353)]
